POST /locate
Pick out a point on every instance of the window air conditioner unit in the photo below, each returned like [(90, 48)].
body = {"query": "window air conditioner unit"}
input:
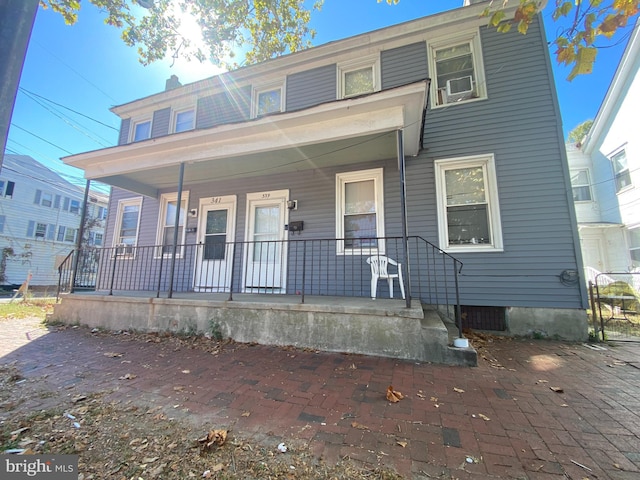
[(459, 86)]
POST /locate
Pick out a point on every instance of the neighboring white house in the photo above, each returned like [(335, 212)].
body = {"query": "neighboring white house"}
[(39, 221), (605, 174)]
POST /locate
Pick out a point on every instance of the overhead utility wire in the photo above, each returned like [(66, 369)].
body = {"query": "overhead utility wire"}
[(22, 89)]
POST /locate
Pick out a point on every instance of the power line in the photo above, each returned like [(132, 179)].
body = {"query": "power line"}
[(24, 90), (40, 138)]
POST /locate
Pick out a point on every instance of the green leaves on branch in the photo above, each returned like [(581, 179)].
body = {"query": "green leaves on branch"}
[(256, 29), (584, 21)]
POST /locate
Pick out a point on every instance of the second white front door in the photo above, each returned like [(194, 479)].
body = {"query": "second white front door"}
[(265, 268)]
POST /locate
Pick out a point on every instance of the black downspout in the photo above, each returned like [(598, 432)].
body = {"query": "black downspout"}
[(176, 225)]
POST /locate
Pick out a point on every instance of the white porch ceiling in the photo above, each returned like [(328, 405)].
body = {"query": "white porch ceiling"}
[(336, 133)]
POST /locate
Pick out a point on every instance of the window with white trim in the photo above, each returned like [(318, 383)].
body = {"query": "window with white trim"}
[(167, 219), (74, 206), (358, 77), (184, 120), (360, 212), (468, 210), (621, 170), (634, 247), (127, 225), (141, 130), (581, 186), (267, 99), (457, 69), (44, 199)]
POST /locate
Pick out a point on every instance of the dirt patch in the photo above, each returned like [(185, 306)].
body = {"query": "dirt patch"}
[(133, 442)]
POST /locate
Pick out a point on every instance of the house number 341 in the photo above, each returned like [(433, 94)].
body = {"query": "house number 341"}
[(215, 200)]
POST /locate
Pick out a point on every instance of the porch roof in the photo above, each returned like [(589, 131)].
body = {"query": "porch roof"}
[(336, 133)]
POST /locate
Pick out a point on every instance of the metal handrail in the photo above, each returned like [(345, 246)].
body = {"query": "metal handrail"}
[(333, 267)]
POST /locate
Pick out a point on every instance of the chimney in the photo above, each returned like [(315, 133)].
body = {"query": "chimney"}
[(172, 83)]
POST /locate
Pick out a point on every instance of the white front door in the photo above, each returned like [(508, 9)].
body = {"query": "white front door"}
[(215, 244), (265, 234)]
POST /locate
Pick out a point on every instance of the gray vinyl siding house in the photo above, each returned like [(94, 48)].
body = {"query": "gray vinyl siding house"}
[(476, 115)]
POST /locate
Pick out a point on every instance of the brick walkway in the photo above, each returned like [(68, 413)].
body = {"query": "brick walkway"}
[(499, 420)]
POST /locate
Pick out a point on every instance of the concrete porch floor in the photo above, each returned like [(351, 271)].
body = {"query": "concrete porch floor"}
[(380, 327)]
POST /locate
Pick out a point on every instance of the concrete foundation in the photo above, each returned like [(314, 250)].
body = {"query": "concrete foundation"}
[(371, 329), (556, 323)]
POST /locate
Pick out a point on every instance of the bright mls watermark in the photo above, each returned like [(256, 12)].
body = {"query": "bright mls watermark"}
[(49, 467)]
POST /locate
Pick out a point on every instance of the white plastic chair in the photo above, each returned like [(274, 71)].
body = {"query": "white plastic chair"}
[(379, 270)]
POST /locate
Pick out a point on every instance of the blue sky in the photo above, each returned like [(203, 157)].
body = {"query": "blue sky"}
[(87, 69)]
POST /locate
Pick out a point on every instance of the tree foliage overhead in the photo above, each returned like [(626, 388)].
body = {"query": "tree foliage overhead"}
[(262, 29), (583, 23), (578, 133)]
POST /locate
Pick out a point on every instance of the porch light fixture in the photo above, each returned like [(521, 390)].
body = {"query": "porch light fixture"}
[(292, 204), (193, 212)]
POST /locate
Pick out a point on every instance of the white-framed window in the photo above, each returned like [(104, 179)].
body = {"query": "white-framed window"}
[(621, 169), (360, 212), (581, 186), (70, 235), (127, 225), (358, 77), (457, 69), (41, 230), (184, 120), (6, 188), (267, 99), (166, 223), (44, 199), (634, 247), (468, 209), (141, 130), (74, 206), (97, 239)]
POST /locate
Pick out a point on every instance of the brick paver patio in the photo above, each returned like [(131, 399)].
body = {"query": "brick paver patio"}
[(502, 419)]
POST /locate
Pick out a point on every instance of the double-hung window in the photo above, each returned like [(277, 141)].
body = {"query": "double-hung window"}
[(127, 226), (141, 130), (184, 120), (44, 199), (456, 64), (360, 212), (621, 170), (581, 186), (268, 99), (634, 247), (166, 225), (468, 210), (358, 77)]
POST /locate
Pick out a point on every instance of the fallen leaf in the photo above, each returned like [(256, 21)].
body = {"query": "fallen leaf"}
[(186, 371), (214, 437), (393, 396), (353, 366), (557, 389), (402, 444), (218, 467), (459, 390), (79, 398), (484, 417), (113, 354), (434, 399), (359, 426), (128, 376), (543, 381), (245, 414)]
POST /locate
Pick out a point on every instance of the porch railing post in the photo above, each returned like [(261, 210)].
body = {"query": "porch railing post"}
[(403, 213), (159, 271), (113, 270), (458, 307), (304, 268), (176, 225), (76, 258)]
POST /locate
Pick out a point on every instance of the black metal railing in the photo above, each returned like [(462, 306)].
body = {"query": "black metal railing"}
[(332, 267)]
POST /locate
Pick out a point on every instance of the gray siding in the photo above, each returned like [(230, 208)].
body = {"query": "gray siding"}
[(123, 137), (160, 123), (311, 87), (403, 65), (228, 107), (205, 113), (519, 125)]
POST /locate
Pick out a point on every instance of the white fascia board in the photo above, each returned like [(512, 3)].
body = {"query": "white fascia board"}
[(627, 68), (389, 110)]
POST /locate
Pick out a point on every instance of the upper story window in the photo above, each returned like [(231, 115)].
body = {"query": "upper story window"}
[(141, 131), (127, 225), (184, 120), (359, 77), (6, 188), (40, 230), (621, 170), (456, 64), (360, 212), (45, 199), (74, 206), (581, 186), (167, 221), (267, 99), (468, 210)]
